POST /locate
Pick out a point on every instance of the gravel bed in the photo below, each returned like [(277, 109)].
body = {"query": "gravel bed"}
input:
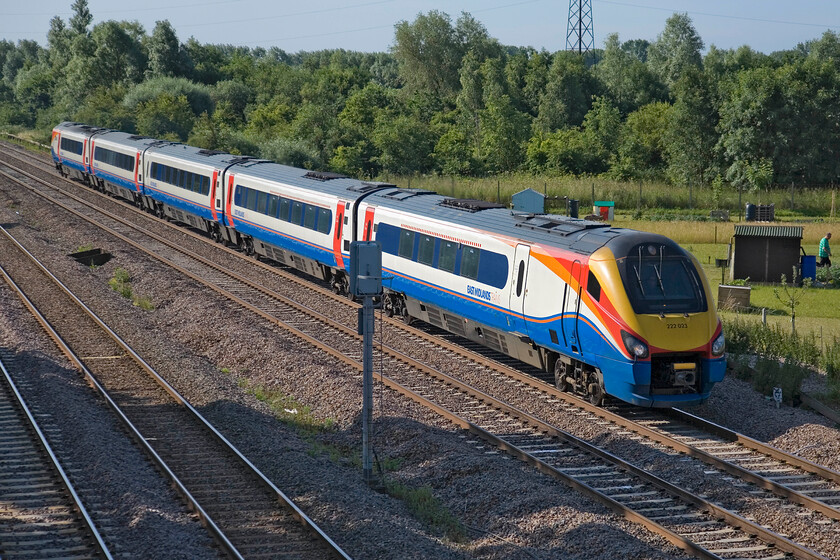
[(191, 336), (145, 518)]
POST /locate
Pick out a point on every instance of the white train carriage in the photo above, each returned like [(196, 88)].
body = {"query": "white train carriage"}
[(185, 184), (70, 148), (117, 163), (292, 216)]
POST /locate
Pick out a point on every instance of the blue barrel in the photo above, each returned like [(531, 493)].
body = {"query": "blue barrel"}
[(809, 266), (749, 215)]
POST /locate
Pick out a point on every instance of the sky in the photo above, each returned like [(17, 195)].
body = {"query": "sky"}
[(368, 25)]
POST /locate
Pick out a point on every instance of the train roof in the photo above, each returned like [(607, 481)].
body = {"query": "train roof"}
[(80, 128), (335, 184), (579, 235), (196, 155), (126, 139)]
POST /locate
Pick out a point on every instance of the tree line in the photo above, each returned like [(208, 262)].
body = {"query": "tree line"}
[(449, 99)]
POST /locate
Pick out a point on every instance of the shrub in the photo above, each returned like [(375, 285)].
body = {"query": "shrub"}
[(830, 360), (787, 375), (771, 341)]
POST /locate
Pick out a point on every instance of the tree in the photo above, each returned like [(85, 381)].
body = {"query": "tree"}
[(81, 17), (405, 144), (117, 57), (504, 131), (429, 54), (691, 133), (164, 52), (429, 51), (676, 49), (568, 93), (630, 83), (166, 116), (642, 152)]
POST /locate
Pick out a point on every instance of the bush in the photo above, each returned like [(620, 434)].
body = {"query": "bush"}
[(771, 341), (787, 375), (829, 275), (830, 360)]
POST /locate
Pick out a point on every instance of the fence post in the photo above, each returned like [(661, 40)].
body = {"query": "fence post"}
[(639, 207), (498, 192), (690, 193)]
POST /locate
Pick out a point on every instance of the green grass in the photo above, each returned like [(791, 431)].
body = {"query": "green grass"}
[(120, 282), (428, 509), (655, 196)]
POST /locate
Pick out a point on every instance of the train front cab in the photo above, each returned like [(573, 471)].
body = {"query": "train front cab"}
[(662, 314)]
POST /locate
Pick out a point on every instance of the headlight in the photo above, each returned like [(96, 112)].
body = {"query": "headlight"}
[(635, 346), (719, 345)]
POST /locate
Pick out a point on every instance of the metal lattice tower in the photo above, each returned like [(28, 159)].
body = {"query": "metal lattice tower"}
[(580, 33)]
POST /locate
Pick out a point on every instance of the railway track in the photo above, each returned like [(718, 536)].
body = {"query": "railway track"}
[(247, 515), (345, 347), (41, 514)]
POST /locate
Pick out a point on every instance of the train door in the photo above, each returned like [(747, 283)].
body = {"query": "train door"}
[(367, 230), (217, 196), (572, 308), (518, 289), (338, 233)]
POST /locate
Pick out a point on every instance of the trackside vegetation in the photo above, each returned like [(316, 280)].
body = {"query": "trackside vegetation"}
[(448, 100), (419, 500)]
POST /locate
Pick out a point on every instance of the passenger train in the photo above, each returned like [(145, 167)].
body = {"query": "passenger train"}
[(608, 311)]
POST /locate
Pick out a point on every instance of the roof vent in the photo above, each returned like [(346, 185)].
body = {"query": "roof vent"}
[(210, 152), (470, 204), (324, 175)]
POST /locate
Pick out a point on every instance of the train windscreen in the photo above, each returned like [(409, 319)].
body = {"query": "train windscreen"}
[(658, 282)]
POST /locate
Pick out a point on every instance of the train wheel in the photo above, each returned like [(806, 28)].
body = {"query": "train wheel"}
[(595, 390), (388, 306), (560, 380)]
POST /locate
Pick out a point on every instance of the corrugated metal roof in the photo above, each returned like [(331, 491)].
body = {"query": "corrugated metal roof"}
[(768, 231)]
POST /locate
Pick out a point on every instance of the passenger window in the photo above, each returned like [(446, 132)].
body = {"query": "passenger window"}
[(446, 259), (260, 207), (237, 196), (406, 249), (272, 205), (520, 276), (297, 212), (309, 216), (469, 262), (285, 207), (324, 220), (426, 252)]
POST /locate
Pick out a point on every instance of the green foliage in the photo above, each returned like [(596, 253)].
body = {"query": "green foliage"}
[(771, 341), (199, 96), (104, 107), (290, 411), (121, 282), (676, 50), (288, 151), (165, 116), (450, 99), (770, 373), (428, 509), (642, 149), (829, 275)]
